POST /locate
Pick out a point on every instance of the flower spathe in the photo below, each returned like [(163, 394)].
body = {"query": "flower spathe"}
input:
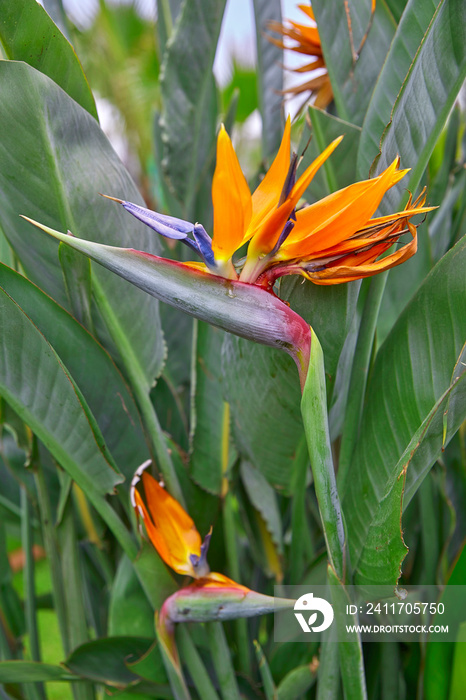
[(332, 241)]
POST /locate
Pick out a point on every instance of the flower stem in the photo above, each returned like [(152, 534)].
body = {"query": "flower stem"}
[(195, 666), (231, 547), (315, 418), (221, 658), (301, 543)]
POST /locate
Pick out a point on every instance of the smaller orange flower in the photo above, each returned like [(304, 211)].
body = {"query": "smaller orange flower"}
[(169, 527), (307, 42)]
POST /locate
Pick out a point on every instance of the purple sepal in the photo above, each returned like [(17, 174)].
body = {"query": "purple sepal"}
[(167, 226), (204, 243)]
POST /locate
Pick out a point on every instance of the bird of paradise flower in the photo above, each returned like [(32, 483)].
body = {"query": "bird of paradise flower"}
[(334, 240), (212, 596)]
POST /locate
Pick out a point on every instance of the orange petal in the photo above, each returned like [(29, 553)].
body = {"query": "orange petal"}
[(267, 195), (152, 532), (231, 199), (340, 215), (309, 34), (270, 229), (349, 271), (308, 11), (169, 527)]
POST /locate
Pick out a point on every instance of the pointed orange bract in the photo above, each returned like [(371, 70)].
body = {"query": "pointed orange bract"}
[(231, 200)]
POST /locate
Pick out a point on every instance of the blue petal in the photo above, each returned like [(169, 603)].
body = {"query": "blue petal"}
[(204, 243), (167, 226)]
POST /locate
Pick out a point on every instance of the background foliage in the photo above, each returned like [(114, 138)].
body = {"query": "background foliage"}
[(96, 376)]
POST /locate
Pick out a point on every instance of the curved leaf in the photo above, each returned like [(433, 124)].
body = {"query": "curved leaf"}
[(426, 97), (38, 387), (106, 660), (90, 366), (342, 28), (266, 420), (264, 500), (31, 671), (56, 163), (188, 120), (270, 76), (406, 42), (28, 34), (406, 397), (209, 412)]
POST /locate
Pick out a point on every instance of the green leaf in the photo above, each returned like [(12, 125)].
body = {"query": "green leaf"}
[(433, 81), (130, 613), (403, 417), (353, 76), (266, 422), (315, 419), (31, 671), (150, 666), (57, 12), (156, 580), (264, 499), (91, 368), (28, 34), (296, 683), (210, 414), (267, 680), (409, 35), (48, 175), (39, 397), (106, 660), (440, 656), (458, 680), (167, 14), (384, 548), (188, 120), (350, 652), (269, 76), (77, 274), (340, 171), (242, 88)]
